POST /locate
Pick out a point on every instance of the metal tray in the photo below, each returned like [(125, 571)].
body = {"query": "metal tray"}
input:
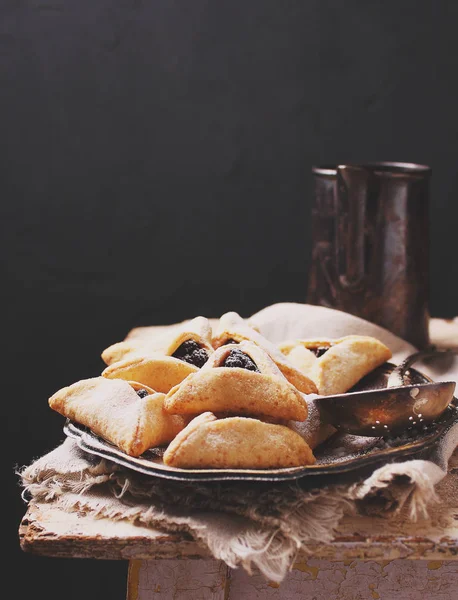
[(332, 461)]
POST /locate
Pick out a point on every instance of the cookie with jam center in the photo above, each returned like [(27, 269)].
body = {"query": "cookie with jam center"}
[(336, 365), (162, 361), (236, 443), (192, 352), (238, 379), (127, 414), (238, 359), (232, 326)]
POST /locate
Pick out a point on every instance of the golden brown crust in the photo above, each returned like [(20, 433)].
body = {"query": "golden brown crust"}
[(198, 329), (302, 358), (237, 390), (347, 360), (236, 443), (120, 350), (311, 344), (141, 386), (151, 362), (159, 372), (113, 410), (232, 326), (259, 356)]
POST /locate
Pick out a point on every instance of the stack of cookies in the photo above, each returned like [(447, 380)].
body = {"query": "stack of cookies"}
[(223, 398)]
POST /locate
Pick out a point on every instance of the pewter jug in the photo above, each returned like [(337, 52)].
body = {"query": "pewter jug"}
[(370, 244)]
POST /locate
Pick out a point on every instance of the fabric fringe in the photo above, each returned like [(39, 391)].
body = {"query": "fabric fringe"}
[(243, 524), (398, 486)]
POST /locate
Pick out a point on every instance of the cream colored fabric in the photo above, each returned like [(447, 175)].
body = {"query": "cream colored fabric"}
[(245, 525), (251, 525), (291, 320)]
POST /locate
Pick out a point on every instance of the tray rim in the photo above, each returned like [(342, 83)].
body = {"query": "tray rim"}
[(93, 444)]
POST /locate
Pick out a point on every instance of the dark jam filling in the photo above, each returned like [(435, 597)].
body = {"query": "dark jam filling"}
[(192, 353), (319, 351), (230, 341), (142, 393), (237, 358)]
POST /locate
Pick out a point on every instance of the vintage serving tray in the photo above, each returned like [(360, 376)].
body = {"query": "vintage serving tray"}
[(339, 456)]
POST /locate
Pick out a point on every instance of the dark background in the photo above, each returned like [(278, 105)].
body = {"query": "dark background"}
[(155, 164)]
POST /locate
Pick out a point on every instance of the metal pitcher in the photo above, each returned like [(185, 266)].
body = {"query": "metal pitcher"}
[(370, 253)]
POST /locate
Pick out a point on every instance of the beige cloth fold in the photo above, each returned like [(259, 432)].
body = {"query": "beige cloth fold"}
[(291, 320), (244, 523)]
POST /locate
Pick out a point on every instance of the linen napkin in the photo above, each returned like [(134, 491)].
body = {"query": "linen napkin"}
[(253, 523)]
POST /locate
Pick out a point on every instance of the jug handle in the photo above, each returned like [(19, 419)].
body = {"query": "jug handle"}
[(352, 191)]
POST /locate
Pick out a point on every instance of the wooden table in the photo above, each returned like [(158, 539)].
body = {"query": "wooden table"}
[(367, 558)]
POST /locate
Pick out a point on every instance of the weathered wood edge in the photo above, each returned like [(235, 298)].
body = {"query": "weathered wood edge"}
[(108, 540), (48, 531)]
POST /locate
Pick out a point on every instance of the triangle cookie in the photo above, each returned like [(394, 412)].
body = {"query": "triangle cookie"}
[(236, 443), (336, 365), (162, 362), (197, 330), (238, 379), (129, 415), (233, 328)]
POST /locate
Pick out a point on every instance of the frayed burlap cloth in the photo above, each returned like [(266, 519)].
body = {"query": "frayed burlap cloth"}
[(246, 524)]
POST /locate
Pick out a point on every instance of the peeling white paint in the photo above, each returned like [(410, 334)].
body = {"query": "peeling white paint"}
[(309, 580)]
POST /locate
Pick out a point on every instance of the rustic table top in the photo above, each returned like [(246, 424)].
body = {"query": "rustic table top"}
[(49, 531)]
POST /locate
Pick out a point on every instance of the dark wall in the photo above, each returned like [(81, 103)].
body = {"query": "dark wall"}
[(155, 164)]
